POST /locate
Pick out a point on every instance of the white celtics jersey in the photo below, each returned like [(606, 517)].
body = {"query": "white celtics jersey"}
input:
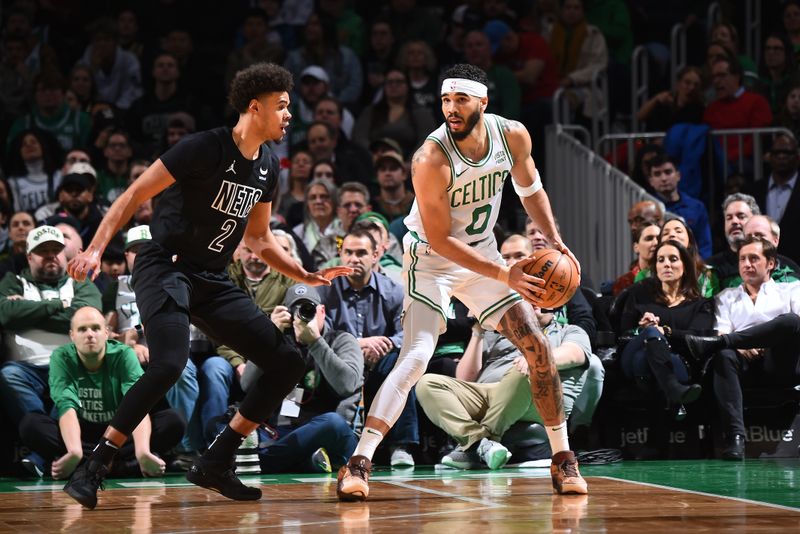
[(475, 187)]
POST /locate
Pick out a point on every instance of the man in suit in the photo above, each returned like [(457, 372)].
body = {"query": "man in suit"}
[(778, 196)]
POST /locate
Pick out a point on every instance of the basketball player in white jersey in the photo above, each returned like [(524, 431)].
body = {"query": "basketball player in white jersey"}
[(450, 249)]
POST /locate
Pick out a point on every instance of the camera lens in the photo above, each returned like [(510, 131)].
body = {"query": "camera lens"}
[(306, 310)]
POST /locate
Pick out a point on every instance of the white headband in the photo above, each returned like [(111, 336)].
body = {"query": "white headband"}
[(460, 85)]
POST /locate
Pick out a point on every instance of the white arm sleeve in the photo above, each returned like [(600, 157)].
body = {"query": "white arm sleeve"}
[(529, 190)]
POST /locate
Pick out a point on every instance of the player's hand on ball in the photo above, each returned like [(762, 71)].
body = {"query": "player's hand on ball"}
[(531, 288), (81, 265), (561, 247), (323, 277)]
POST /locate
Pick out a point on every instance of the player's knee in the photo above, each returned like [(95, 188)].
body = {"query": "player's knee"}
[(290, 362), (409, 370), (167, 370)]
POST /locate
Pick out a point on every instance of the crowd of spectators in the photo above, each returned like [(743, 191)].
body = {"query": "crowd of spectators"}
[(89, 98)]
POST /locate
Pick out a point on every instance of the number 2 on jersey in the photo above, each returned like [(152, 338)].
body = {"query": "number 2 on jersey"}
[(227, 229)]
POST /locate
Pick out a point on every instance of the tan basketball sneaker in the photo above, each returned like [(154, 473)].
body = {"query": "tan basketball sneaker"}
[(352, 482), (565, 475)]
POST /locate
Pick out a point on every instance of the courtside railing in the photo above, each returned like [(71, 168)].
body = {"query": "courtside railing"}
[(747, 162), (595, 94), (590, 199)]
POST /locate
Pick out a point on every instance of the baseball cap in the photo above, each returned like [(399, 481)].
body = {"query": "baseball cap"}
[(79, 180), (44, 234), (62, 217), (386, 142), (374, 216), (495, 30), (316, 72), (300, 292), (136, 235), (390, 155), (81, 167), (80, 174)]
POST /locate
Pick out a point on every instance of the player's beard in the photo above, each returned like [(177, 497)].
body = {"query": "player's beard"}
[(469, 124)]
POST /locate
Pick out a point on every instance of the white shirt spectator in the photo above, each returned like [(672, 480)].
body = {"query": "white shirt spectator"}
[(737, 311)]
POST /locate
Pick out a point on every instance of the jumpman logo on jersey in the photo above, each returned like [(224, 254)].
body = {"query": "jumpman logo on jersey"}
[(231, 169), (263, 173)]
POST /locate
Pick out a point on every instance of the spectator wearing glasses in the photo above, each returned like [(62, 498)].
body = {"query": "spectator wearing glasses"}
[(353, 201), (320, 218), (778, 196), (112, 179), (778, 72), (735, 107)]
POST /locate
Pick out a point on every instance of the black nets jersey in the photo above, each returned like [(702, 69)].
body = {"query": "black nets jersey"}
[(202, 216)]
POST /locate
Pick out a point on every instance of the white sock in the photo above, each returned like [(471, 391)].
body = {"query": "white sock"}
[(557, 435), (370, 439)]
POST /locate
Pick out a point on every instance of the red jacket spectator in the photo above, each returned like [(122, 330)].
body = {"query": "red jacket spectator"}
[(735, 107), (528, 56)]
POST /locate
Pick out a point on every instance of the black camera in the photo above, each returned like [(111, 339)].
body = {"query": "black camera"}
[(305, 309)]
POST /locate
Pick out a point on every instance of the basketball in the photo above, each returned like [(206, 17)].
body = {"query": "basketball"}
[(560, 275)]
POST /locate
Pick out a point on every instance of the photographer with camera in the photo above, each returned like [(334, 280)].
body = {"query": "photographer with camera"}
[(315, 424)]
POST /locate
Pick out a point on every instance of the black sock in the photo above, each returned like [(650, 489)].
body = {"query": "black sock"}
[(104, 453), (224, 445)]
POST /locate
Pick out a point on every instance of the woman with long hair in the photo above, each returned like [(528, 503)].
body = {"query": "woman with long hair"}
[(320, 214), (675, 228), (33, 160), (684, 103), (417, 60), (777, 72), (658, 311), (82, 87), (298, 177), (395, 116)]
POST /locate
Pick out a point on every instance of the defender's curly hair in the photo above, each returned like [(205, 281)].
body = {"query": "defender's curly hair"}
[(256, 80)]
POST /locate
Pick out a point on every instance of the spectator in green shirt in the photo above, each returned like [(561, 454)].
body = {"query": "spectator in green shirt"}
[(88, 379)]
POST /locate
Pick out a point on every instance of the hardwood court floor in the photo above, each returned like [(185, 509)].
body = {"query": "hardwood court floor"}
[(650, 497)]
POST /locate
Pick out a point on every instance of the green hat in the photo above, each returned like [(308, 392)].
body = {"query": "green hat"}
[(374, 216)]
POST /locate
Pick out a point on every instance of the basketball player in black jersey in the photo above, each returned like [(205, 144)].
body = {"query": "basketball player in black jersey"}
[(217, 187)]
